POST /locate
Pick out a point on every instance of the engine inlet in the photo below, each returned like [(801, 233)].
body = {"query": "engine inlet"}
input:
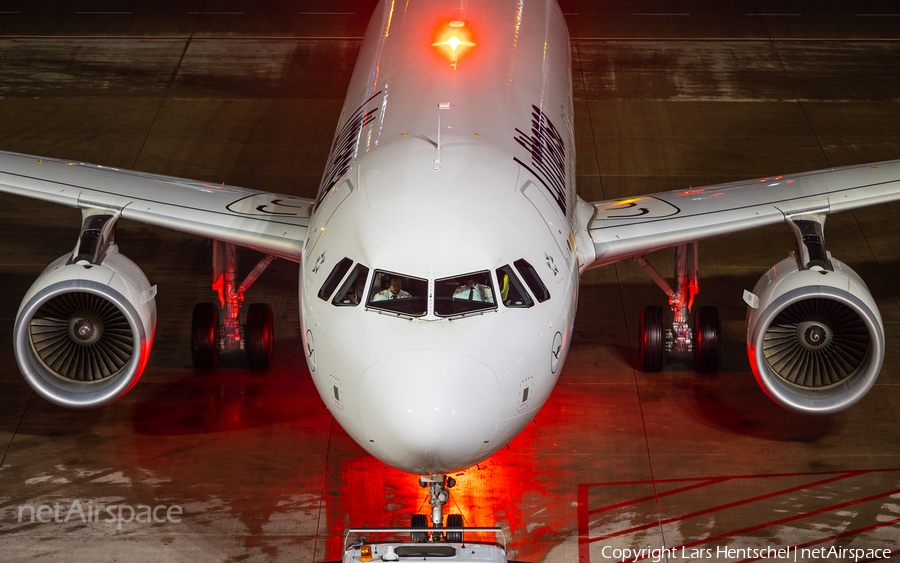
[(81, 337), (816, 343)]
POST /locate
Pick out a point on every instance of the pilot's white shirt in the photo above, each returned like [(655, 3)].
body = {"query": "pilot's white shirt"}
[(481, 293), (387, 294)]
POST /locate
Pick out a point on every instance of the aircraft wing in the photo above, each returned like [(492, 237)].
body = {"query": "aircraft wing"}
[(630, 227), (271, 223)]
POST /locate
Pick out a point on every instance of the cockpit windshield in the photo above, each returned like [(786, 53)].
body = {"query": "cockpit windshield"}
[(463, 294), (398, 293), (352, 290)]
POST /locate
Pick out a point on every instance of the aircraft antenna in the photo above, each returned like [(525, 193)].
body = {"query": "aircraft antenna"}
[(438, 147)]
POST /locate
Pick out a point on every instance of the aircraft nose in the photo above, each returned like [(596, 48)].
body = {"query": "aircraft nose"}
[(429, 411)]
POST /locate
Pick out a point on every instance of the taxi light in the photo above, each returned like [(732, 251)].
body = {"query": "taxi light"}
[(365, 553)]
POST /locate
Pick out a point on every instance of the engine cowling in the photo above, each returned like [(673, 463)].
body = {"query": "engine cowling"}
[(816, 338), (84, 331)]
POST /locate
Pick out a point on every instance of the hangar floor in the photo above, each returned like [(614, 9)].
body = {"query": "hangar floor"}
[(668, 95)]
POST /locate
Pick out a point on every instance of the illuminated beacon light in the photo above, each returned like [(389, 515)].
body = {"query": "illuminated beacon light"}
[(453, 39), (454, 42)]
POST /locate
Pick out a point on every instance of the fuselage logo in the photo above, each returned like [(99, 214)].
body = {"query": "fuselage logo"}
[(344, 148), (548, 156)]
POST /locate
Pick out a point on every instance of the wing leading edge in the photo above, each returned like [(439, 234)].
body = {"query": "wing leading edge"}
[(624, 228), (271, 223)]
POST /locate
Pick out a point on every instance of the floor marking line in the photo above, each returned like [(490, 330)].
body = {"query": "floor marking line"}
[(766, 476), (583, 497), (322, 504), (838, 536), (15, 432), (726, 506), (584, 553), (733, 40), (174, 38), (782, 521), (651, 497)]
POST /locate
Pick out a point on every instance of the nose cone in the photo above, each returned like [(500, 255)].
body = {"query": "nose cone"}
[(429, 411)]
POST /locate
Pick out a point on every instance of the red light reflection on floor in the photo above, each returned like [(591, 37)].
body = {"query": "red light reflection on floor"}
[(502, 491)]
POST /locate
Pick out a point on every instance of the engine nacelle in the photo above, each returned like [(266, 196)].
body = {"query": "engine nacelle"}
[(84, 331), (815, 339)]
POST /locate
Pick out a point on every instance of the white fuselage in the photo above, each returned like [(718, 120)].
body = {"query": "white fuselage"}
[(432, 393)]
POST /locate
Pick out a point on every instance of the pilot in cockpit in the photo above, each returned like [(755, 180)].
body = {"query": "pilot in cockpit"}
[(473, 291), (394, 291)]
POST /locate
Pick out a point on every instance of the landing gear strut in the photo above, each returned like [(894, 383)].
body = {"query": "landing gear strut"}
[(212, 333), (704, 339), (439, 488)]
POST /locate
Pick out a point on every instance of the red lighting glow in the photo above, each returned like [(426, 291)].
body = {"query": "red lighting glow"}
[(453, 40)]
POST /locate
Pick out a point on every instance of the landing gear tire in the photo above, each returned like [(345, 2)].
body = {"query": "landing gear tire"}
[(419, 521), (651, 339), (707, 339), (260, 335), (455, 521), (204, 332)]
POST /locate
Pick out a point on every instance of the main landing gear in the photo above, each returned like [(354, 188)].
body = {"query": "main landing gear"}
[(704, 339), (210, 335), (439, 488)]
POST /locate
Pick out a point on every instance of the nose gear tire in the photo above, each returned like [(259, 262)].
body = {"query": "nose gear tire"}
[(419, 521), (455, 521)]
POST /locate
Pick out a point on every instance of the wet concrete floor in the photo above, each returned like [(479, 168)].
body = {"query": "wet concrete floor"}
[(668, 95)]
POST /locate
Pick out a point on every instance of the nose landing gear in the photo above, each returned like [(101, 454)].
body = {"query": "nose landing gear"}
[(439, 488)]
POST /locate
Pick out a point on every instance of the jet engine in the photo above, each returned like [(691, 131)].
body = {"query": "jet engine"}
[(815, 336), (85, 328)]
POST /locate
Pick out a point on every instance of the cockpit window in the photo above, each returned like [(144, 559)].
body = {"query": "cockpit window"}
[(533, 280), (512, 292), (334, 278), (398, 293), (463, 294), (353, 289)]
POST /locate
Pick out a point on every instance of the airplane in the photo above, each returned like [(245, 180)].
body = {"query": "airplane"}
[(439, 264)]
